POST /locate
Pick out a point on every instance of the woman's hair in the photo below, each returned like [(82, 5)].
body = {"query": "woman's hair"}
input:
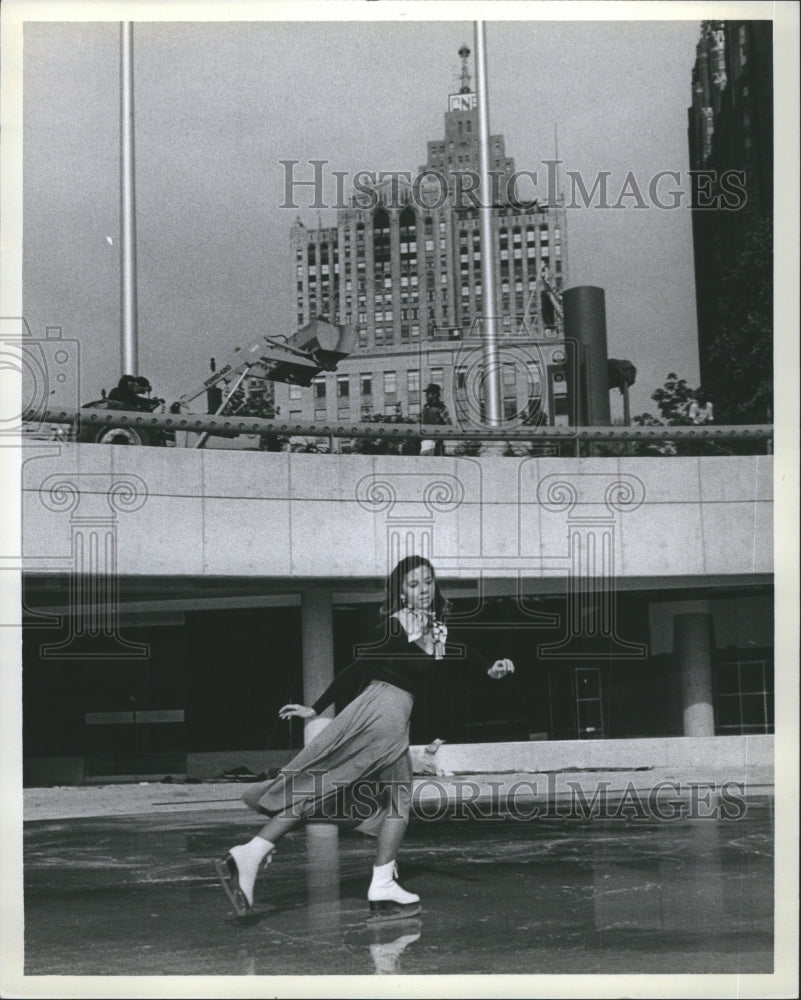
[(393, 601)]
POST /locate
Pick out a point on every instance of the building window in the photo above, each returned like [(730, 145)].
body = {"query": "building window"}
[(320, 413), (413, 380), (509, 375), (509, 407), (294, 391), (343, 413), (367, 410), (296, 416), (390, 383), (343, 386), (366, 383), (437, 376), (319, 388), (743, 696)]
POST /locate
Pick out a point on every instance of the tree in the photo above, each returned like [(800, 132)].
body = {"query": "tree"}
[(741, 351), (673, 400)]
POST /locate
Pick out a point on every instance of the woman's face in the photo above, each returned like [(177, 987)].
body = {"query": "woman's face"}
[(417, 589)]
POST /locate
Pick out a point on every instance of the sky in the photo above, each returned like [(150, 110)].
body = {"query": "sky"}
[(219, 105)]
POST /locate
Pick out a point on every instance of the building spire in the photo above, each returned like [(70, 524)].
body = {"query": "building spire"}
[(464, 87)]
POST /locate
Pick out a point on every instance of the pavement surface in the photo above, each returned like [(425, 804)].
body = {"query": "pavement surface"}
[(618, 880), (73, 801)]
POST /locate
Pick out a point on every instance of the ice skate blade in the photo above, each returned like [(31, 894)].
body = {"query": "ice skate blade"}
[(386, 909), (228, 875)]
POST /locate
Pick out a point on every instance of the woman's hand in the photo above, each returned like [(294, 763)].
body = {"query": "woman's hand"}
[(301, 711), (500, 668)]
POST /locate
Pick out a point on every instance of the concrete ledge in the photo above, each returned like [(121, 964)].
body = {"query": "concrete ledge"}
[(737, 753), (434, 797), (538, 772)]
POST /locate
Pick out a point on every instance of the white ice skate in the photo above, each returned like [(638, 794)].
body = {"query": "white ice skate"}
[(385, 895)]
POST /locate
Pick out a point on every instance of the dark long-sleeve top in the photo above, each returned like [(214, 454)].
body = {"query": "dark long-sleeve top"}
[(396, 661)]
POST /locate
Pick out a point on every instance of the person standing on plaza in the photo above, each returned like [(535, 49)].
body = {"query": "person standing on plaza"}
[(368, 739), (701, 410), (434, 412)]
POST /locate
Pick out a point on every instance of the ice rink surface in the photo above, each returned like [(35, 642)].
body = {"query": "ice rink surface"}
[(137, 895)]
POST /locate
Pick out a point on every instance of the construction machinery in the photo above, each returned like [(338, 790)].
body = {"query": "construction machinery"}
[(298, 359)]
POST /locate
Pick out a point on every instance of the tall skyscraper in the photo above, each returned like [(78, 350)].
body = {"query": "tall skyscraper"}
[(403, 265), (730, 136)]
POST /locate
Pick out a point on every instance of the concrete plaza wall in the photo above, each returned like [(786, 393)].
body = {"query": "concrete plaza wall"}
[(202, 513)]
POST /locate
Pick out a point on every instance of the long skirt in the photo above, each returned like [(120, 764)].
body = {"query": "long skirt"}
[(357, 770)]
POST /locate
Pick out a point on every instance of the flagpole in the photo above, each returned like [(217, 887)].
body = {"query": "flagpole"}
[(492, 380), (128, 318)]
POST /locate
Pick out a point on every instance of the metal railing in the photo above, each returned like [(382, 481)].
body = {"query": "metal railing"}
[(233, 426)]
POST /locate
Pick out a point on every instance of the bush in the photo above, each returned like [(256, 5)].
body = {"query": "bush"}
[(386, 445)]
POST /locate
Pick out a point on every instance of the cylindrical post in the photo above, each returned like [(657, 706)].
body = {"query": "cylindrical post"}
[(693, 645), (585, 323), (322, 878), (129, 345), (317, 628), (492, 375)]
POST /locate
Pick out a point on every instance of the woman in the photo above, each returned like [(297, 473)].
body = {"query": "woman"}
[(368, 739)]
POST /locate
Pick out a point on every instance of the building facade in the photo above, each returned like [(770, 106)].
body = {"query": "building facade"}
[(730, 134), (403, 266)]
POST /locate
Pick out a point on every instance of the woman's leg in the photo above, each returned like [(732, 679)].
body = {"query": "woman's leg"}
[(249, 857), (390, 837), (384, 890)]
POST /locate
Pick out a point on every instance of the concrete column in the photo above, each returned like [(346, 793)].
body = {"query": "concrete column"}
[(317, 628), (693, 645), (585, 323)]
